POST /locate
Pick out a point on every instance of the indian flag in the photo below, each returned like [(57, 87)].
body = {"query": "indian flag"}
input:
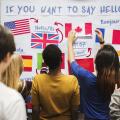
[(27, 63)]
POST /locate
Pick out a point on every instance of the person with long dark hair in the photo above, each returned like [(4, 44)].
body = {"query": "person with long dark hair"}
[(55, 96), (96, 89)]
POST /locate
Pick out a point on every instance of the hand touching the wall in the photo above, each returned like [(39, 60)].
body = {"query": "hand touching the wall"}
[(71, 36), (100, 36), (71, 39)]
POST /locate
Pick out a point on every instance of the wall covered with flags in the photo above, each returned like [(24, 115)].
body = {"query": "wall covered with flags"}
[(35, 24)]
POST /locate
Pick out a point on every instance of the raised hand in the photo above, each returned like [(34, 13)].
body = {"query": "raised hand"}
[(100, 36), (71, 36)]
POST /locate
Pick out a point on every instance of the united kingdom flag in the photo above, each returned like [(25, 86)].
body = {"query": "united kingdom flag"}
[(41, 40)]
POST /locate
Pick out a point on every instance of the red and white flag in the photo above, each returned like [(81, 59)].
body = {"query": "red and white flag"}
[(85, 29), (19, 26)]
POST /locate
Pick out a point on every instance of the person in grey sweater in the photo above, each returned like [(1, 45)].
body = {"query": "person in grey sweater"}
[(115, 104)]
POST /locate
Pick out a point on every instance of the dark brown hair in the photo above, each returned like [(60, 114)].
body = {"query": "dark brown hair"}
[(107, 66), (7, 44)]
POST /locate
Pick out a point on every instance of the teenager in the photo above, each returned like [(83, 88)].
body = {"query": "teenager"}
[(96, 90), (55, 96), (12, 106)]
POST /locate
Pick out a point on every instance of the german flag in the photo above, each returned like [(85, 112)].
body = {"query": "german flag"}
[(27, 63)]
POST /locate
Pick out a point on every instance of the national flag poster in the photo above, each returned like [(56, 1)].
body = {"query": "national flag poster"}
[(116, 37), (85, 28), (27, 62), (18, 27), (63, 61), (88, 28), (87, 64), (39, 61), (41, 40), (103, 33)]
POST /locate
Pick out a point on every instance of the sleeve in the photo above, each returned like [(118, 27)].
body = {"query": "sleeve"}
[(115, 106), (80, 72), (16, 110), (35, 97), (76, 93)]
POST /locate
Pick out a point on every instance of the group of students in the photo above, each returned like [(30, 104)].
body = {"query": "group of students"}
[(56, 96)]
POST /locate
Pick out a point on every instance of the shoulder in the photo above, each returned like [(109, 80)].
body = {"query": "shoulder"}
[(70, 78), (9, 96), (80, 71), (10, 93), (39, 77), (116, 95), (71, 82)]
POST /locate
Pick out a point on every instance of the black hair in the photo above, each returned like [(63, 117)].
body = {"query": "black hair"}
[(52, 56)]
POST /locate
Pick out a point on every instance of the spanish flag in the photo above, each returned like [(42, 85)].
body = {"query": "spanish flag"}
[(27, 63)]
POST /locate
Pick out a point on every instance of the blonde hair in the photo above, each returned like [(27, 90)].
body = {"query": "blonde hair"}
[(11, 75)]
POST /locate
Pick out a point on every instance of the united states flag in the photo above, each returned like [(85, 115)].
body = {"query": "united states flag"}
[(41, 40), (19, 26)]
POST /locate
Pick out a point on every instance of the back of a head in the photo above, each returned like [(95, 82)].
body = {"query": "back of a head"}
[(17, 62), (52, 56), (107, 66), (11, 75), (7, 44)]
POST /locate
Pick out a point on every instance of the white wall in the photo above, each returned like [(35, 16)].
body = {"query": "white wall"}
[(88, 11)]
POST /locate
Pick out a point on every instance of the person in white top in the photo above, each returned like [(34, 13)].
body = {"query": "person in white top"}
[(115, 104), (12, 106)]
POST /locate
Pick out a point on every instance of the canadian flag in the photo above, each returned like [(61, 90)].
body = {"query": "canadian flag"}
[(85, 29)]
